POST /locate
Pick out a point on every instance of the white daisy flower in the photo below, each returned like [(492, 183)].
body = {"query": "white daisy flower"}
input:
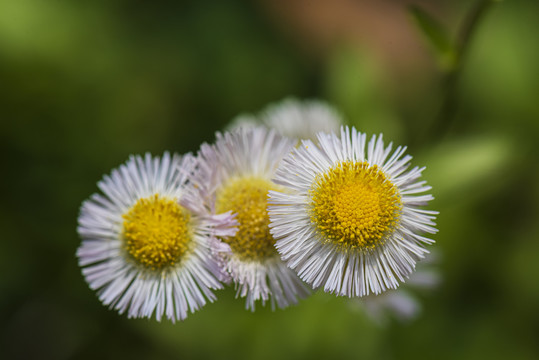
[(301, 119), (147, 240), (241, 164), (245, 121), (401, 303), (293, 118), (350, 220)]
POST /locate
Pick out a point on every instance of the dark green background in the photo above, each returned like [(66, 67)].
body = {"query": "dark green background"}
[(84, 84)]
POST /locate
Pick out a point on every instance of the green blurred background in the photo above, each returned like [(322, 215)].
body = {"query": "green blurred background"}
[(84, 84)]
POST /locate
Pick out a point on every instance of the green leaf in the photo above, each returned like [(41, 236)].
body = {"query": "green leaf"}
[(465, 168), (436, 35)]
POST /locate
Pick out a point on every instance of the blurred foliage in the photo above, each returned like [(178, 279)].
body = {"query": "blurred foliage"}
[(436, 35), (84, 84)]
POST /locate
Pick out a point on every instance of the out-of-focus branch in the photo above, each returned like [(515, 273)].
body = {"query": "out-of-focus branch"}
[(448, 109)]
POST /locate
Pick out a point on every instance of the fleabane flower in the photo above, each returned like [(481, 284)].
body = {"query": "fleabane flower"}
[(239, 168), (350, 218), (301, 119), (297, 119), (147, 243), (402, 303)]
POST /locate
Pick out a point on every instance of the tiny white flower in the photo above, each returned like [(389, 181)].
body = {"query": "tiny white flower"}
[(301, 119), (245, 121), (350, 220), (147, 242), (240, 166), (401, 303), (293, 118)]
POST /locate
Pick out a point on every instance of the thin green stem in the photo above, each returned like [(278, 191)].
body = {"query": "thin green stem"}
[(450, 79), (469, 26)]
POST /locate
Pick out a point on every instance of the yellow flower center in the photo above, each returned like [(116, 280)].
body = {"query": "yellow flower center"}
[(248, 198), (355, 205), (156, 232)]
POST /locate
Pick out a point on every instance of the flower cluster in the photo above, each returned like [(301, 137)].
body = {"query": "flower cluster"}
[(257, 208)]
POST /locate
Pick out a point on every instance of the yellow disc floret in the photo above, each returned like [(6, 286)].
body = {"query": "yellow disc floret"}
[(247, 197), (354, 205), (156, 232)]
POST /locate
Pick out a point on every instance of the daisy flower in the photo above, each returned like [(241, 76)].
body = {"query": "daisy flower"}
[(350, 219), (243, 121), (301, 119), (240, 165), (147, 242), (401, 303), (293, 118)]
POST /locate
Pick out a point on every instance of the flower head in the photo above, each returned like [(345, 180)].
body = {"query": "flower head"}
[(294, 118), (147, 244), (403, 303), (240, 166), (301, 119), (349, 220)]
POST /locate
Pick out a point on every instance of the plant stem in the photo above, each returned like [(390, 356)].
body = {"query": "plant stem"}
[(450, 79)]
